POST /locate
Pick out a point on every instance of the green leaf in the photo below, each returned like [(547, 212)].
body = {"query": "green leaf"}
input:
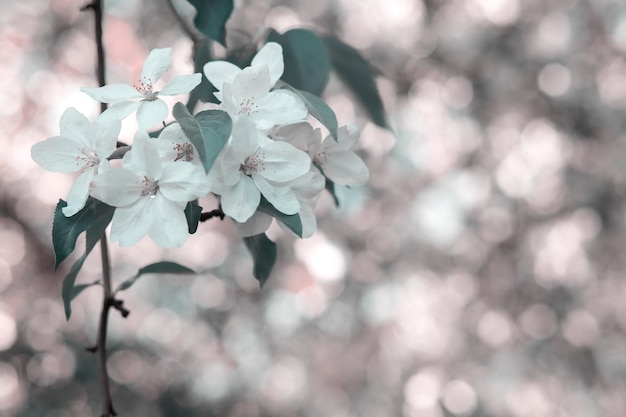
[(164, 267), (263, 253), (208, 131), (318, 109), (211, 18), (358, 75), (330, 187), (79, 288), (292, 221), (307, 64), (103, 216), (192, 213), (65, 230)]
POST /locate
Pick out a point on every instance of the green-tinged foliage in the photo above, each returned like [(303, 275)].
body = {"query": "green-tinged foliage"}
[(358, 75), (192, 213), (307, 64), (164, 267), (208, 131), (79, 288), (211, 18), (317, 108), (263, 253), (103, 215), (292, 221), (330, 187), (65, 230)]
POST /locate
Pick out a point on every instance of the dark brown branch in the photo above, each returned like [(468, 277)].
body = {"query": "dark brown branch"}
[(108, 300), (218, 212)]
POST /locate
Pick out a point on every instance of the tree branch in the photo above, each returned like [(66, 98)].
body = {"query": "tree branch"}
[(108, 300)]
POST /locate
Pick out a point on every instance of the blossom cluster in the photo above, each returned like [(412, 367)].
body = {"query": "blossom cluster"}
[(273, 153)]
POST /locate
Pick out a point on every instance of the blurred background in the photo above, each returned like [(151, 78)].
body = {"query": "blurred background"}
[(479, 273)]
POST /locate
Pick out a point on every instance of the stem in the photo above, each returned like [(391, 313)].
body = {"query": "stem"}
[(108, 301)]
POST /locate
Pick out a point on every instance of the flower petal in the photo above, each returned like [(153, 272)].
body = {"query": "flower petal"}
[(123, 108), (281, 197), (78, 194), (271, 55), (105, 132), (249, 86), (57, 154), (150, 113), (241, 200), (157, 63), (169, 224), (347, 138), (279, 107), (112, 93), (74, 125), (143, 158), (181, 84), (255, 225), (282, 162), (308, 220), (130, 224), (220, 72), (117, 187), (183, 182), (346, 168)]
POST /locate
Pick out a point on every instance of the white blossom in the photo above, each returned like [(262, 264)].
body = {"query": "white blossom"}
[(150, 108)]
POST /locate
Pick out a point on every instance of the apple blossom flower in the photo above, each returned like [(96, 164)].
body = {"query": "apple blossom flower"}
[(150, 196), (246, 92), (251, 164), (150, 108), (83, 147), (336, 159)]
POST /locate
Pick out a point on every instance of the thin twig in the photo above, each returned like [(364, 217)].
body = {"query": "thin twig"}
[(218, 212), (108, 300)]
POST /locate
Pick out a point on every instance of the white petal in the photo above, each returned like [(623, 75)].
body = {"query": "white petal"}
[(78, 194), (106, 130), (157, 64), (74, 125), (150, 113), (112, 93), (347, 138), (271, 55), (346, 168), (183, 182), (116, 187), (279, 107), (220, 72), (143, 158), (123, 108), (169, 224), (283, 162), (309, 186), (241, 200), (255, 225), (249, 86), (282, 198), (243, 142), (58, 154), (181, 84), (296, 134), (130, 224)]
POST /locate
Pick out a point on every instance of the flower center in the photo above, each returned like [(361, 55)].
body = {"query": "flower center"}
[(149, 187), (184, 152), (248, 107), (252, 164), (321, 157), (87, 159), (146, 90)]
